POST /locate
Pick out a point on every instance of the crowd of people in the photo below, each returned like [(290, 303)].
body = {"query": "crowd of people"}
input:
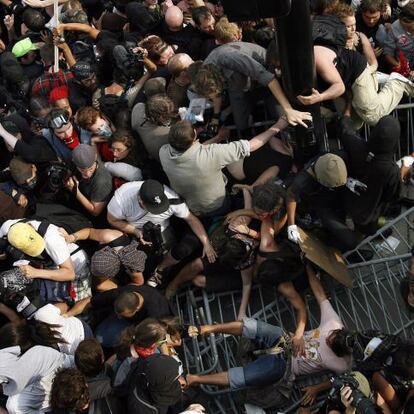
[(135, 163)]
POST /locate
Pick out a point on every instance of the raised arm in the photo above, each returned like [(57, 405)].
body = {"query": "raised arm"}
[(325, 68), (78, 27), (259, 140)]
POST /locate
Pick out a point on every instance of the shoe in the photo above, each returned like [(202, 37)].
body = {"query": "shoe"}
[(398, 76), (156, 279)]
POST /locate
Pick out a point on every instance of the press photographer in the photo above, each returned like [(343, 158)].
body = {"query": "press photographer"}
[(137, 203), (351, 394)]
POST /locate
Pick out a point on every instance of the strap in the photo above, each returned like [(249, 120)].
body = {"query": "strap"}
[(176, 201), (44, 224)]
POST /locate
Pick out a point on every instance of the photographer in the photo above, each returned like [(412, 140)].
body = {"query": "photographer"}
[(94, 187), (351, 394), (137, 203)]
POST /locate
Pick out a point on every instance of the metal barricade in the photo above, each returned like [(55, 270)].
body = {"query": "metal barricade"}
[(373, 302)]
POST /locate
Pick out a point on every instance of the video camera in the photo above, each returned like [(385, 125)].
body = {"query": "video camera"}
[(57, 175), (129, 61)]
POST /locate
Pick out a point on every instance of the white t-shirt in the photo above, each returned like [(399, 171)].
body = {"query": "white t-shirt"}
[(59, 252), (56, 246), (71, 329), (125, 206), (318, 355), (27, 379)]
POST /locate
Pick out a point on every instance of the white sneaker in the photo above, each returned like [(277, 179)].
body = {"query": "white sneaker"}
[(398, 76)]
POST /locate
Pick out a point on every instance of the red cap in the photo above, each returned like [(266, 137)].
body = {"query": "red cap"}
[(61, 92)]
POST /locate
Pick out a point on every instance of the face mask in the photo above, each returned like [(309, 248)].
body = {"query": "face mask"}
[(104, 131)]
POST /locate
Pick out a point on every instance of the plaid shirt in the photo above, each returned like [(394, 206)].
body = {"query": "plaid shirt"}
[(48, 81)]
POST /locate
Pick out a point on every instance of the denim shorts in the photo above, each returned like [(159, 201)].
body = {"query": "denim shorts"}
[(265, 370)]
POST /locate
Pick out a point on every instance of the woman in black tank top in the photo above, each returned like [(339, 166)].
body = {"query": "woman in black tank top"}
[(356, 41)]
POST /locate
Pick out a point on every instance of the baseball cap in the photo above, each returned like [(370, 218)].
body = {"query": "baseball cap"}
[(82, 70), (23, 47), (25, 238), (83, 156), (330, 171), (363, 384), (153, 196)]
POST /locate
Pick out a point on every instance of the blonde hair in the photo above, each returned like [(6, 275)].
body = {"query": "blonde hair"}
[(226, 32)]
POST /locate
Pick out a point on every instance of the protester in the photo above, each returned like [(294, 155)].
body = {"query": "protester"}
[(167, 158)]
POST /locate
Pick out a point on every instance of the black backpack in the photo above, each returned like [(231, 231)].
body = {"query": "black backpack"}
[(329, 31)]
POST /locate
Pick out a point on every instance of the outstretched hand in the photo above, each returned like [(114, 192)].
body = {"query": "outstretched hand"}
[(295, 117)]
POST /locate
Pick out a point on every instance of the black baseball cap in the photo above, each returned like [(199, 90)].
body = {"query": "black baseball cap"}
[(153, 197)]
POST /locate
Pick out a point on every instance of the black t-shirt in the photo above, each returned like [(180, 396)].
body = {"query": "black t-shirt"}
[(350, 64), (305, 188), (155, 304), (201, 43)]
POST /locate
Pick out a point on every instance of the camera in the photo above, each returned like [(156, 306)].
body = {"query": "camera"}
[(57, 175), (152, 233), (129, 61), (362, 404)]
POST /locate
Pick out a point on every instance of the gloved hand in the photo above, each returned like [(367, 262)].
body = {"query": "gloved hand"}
[(293, 233), (355, 185)]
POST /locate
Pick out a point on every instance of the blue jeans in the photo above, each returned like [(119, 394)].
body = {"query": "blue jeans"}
[(265, 370)]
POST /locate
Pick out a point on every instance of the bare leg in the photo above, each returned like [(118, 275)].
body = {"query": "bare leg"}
[(221, 378), (187, 273), (166, 262), (232, 328)]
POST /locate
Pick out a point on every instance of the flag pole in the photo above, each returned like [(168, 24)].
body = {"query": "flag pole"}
[(56, 22)]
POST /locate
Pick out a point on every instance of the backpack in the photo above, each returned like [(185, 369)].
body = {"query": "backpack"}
[(329, 31), (49, 291)]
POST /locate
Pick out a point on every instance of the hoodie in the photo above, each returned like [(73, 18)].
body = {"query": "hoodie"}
[(373, 164)]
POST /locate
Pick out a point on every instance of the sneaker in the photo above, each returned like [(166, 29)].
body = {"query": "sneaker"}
[(398, 76), (156, 279)]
